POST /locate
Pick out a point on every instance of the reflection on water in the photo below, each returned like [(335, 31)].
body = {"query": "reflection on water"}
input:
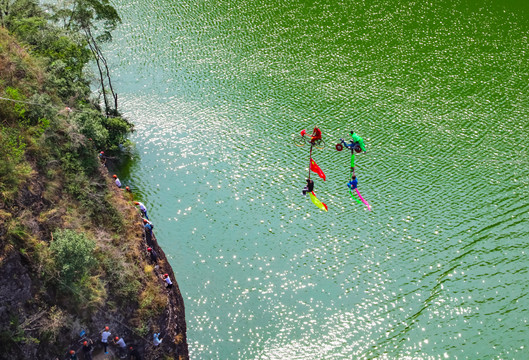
[(438, 91)]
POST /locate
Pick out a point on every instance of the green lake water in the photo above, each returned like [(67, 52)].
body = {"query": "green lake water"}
[(439, 92)]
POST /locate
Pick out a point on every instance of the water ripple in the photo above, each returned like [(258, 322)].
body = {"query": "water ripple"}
[(218, 90)]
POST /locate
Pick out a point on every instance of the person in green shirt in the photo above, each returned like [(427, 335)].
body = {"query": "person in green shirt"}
[(356, 143)]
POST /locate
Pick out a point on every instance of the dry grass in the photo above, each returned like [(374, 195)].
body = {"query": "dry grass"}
[(153, 299), (16, 66), (179, 338), (53, 189), (152, 303), (96, 294), (21, 173), (52, 324), (20, 234), (5, 216), (148, 269)]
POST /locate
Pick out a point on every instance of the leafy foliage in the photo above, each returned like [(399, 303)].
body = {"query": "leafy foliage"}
[(65, 53), (66, 82), (15, 110), (73, 254), (12, 166), (105, 132), (11, 150), (90, 13)]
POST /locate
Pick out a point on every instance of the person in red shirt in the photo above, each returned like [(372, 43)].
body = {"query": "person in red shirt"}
[(316, 135)]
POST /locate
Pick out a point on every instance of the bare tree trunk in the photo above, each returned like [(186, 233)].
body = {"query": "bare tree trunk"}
[(102, 62), (93, 48)]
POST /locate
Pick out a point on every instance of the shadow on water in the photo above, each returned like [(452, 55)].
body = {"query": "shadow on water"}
[(123, 164)]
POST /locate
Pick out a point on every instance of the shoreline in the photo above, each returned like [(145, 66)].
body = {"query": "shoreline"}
[(174, 313)]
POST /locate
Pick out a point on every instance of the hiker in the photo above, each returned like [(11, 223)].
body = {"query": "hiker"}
[(104, 338), (102, 158), (148, 226), (154, 255), (156, 340), (167, 279), (122, 346), (88, 347), (73, 355), (134, 354), (118, 183), (143, 209)]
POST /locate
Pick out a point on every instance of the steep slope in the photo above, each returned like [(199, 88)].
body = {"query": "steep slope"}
[(73, 254)]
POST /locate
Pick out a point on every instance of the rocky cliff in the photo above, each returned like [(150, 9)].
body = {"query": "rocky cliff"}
[(41, 319), (73, 253)]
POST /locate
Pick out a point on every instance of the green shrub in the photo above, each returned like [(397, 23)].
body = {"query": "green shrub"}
[(90, 124), (73, 254), (41, 107), (13, 168), (142, 329), (106, 132), (11, 150), (118, 128), (65, 82), (13, 112), (23, 9), (20, 108)]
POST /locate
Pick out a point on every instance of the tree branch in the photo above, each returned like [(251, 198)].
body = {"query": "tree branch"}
[(93, 48)]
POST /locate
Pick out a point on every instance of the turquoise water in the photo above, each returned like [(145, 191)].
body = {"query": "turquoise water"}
[(439, 91)]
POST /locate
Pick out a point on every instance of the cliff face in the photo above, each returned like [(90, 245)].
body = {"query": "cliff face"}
[(73, 253), (174, 316), (40, 320)]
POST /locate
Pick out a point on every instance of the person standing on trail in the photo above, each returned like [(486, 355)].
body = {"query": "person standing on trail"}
[(88, 347), (118, 183), (104, 338), (102, 157), (133, 353), (148, 225), (143, 209)]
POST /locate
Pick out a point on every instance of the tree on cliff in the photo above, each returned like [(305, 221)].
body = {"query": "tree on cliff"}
[(96, 19)]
